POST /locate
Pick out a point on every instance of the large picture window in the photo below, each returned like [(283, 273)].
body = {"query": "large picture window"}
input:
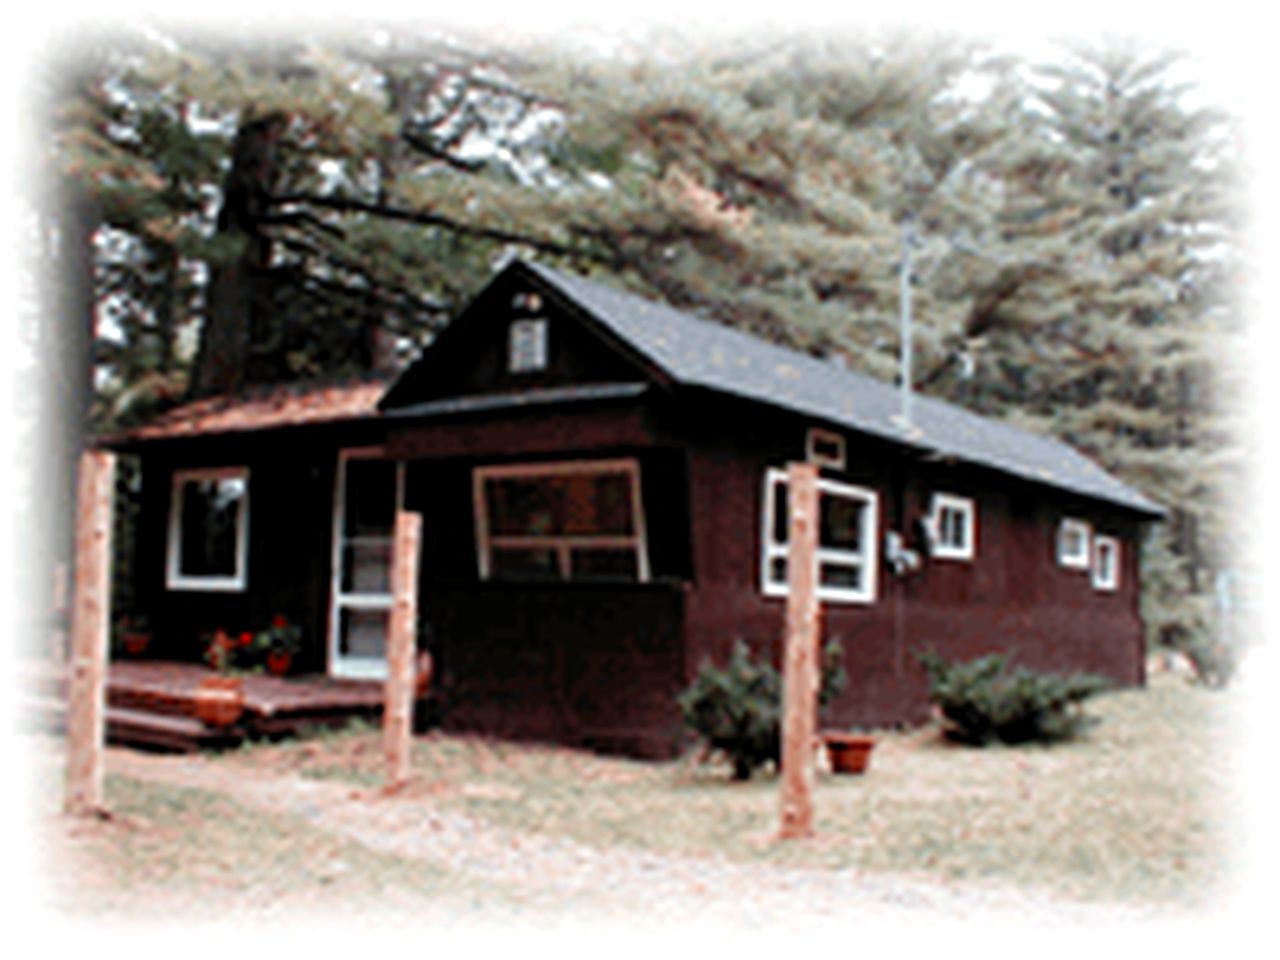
[(208, 529), (581, 520), (847, 540)]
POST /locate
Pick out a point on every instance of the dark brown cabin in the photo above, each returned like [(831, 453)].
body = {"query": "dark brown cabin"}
[(602, 491)]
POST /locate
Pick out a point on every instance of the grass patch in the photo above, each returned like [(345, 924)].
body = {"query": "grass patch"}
[(1132, 811)]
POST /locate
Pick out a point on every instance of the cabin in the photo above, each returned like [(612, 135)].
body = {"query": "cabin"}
[(603, 491)]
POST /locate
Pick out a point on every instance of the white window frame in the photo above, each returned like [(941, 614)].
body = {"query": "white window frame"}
[(1103, 579), (563, 546), (175, 579), (527, 349), (815, 436), (1082, 559), (968, 509), (868, 558)]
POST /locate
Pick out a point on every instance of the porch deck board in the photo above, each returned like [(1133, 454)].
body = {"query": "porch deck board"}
[(152, 703), (173, 684)]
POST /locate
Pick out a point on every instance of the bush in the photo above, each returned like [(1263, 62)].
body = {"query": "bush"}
[(984, 700), (737, 710)]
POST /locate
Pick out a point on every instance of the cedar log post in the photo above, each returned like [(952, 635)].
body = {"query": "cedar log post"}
[(397, 714), (90, 613), (800, 653)]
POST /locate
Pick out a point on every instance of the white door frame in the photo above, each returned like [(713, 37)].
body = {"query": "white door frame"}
[(354, 668)]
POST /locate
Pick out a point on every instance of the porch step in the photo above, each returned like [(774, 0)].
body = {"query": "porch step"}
[(130, 727), (163, 731)]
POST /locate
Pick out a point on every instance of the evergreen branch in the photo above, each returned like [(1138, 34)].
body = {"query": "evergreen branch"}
[(425, 218)]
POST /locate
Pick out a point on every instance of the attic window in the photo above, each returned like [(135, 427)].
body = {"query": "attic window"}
[(825, 448), (1106, 563), (1073, 544), (527, 345), (953, 523), (847, 540), (208, 530)]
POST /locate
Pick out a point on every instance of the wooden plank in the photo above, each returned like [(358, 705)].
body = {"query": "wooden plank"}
[(397, 718), (90, 616), (800, 658)]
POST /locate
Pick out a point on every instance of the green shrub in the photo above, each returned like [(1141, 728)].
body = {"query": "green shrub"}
[(737, 710), (985, 700)]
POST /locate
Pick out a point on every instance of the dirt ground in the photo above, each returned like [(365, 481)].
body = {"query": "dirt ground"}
[(442, 865)]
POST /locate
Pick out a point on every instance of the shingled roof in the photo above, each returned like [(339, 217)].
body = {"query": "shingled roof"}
[(266, 408), (696, 352)]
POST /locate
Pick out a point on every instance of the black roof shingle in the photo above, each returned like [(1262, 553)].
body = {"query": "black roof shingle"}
[(701, 353)]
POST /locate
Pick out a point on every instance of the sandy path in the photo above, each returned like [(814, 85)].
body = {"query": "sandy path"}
[(559, 878)]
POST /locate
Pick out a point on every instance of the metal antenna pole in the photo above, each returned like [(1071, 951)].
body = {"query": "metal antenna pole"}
[(904, 300)]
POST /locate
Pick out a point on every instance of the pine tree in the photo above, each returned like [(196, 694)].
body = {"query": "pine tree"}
[(1114, 209)]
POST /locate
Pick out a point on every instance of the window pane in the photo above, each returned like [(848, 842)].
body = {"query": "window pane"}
[(612, 564), (597, 504), (952, 528), (210, 526), (520, 506), (370, 506), (366, 567), (778, 570), (577, 504), (841, 576), (840, 522), (363, 633), (528, 345), (526, 563), (781, 519)]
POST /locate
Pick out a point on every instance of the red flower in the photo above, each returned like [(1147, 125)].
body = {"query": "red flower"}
[(279, 621), (246, 638)]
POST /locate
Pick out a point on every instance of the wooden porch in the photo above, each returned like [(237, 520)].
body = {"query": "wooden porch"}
[(152, 704)]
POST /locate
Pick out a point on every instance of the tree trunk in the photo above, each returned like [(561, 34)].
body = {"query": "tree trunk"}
[(64, 375), (237, 293)]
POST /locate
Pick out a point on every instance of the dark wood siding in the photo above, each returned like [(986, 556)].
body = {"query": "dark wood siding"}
[(291, 475), (600, 664), (1012, 597), (585, 664)]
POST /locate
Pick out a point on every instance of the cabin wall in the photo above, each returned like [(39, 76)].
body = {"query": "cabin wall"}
[(1012, 597), (593, 664), (291, 478)]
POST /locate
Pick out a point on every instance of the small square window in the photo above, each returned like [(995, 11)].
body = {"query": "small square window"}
[(1106, 563), (208, 530), (953, 523), (1073, 544), (527, 347), (825, 448)]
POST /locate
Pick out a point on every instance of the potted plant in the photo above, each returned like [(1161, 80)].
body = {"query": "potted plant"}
[(131, 635), (848, 752), (279, 644), (219, 699)]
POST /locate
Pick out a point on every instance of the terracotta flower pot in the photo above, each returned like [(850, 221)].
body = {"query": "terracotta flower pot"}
[(848, 752), (219, 701), (279, 662), (135, 644)]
